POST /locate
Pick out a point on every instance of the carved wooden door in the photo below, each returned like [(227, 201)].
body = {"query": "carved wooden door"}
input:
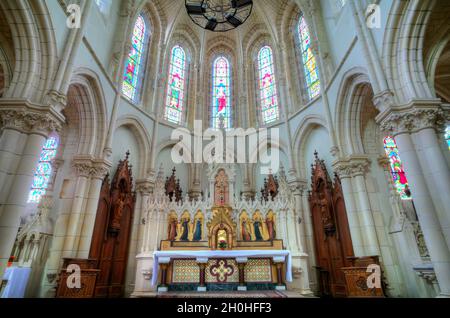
[(331, 231)]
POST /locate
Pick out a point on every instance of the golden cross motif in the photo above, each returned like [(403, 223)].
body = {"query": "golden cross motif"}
[(222, 270)]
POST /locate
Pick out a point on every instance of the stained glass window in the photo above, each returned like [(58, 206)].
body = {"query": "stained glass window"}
[(44, 170), (447, 136), (221, 103), (134, 61), (176, 86), (308, 59), (397, 170), (267, 85)]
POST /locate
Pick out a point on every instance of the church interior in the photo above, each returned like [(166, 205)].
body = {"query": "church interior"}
[(118, 178)]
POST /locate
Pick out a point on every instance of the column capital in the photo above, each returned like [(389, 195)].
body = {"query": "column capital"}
[(412, 117), (298, 186), (352, 166), (100, 168), (383, 100), (384, 162), (29, 118), (144, 186), (87, 166)]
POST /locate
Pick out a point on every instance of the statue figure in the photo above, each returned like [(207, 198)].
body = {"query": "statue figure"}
[(172, 229), (257, 227), (198, 230), (245, 230), (185, 228), (271, 227), (327, 221), (117, 215)]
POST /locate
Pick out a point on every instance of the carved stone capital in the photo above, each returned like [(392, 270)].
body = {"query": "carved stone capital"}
[(100, 168), (82, 167), (30, 119), (411, 118), (383, 100), (298, 187), (144, 186), (86, 166), (351, 166), (383, 161)]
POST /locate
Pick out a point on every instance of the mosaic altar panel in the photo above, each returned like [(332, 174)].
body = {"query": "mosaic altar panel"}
[(258, 271), (185, 271)]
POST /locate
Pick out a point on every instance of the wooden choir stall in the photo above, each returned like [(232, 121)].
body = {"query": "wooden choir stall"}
[(339, 272), (103, 274)]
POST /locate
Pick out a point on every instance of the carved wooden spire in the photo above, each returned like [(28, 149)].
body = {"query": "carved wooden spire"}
[(173, 188), (270, 187)]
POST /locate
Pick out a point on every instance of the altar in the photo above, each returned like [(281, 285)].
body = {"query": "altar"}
[(220, 242)]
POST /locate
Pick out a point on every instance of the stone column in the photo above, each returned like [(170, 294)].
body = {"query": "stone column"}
[(309, 231), (438, 172), (98, 172), (10, 151), (144, 188), (400, 124), (299, 216), (343, 170), (365, 211), (82, 167), (428, 219), (38, 125)]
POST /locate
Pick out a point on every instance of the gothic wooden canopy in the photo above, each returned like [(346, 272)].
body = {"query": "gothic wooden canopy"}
[(173, 188)]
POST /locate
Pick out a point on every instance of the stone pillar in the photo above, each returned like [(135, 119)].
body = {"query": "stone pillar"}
[(365, 211), (428, 219), (299, 216), (82, 167), (438, 173), (97, 173), (309, 231), (400, 123), (38, 125), (343, 170), (144, 188), (10, 150)]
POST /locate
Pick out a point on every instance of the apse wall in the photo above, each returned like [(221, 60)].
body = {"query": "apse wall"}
[(164, 159), (123, 141), (317, 140)]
